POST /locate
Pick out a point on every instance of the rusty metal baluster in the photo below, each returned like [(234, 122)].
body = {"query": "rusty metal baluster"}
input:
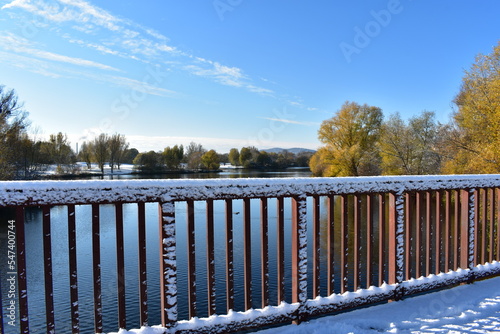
[(428, 234), (191, 258), (447, 230), (299, 253), (316, 247), (344, 243), (456, 229), (466, 202), (120, 266), (437, 232), (96, 260), (247, 246), (73, 273), (168, 264), (491, 224), (143, 284), (498, 224), (408, 234), (229, 256), (369, 240), (49, 286), (391, 264), (21, 271), (418, 234), (484, 214), (211, 259), (356, 242), (264, 252), (477, 232), (381, 238), (331, 245), (280, 245)]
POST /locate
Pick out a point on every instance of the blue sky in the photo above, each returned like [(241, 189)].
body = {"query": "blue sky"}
[(234, 73)]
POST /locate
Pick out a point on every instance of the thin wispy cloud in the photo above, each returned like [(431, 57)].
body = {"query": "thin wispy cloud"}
[(124, 38), (289, 121), (30, 64), (18, 44)]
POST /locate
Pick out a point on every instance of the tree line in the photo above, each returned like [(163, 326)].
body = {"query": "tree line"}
[(357, 141), (25, 157), (195, 157)]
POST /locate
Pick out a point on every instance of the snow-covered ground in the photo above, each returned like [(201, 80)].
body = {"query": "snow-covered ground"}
[(124, 169), (473, 308), (81, 167)]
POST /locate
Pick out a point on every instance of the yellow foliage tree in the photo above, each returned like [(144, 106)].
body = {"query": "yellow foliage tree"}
[(350, 137), (476, 135)]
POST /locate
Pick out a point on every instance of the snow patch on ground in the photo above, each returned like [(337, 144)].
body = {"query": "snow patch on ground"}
[(473, 308)]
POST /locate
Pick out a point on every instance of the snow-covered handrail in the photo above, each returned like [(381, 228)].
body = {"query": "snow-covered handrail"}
[(409, 233), (133, 191)]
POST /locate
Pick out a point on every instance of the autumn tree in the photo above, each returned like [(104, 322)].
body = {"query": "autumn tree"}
[(210, 160), (349, 137), (149, 162), (410, 148), (129, 155), (248, 156), (476, 132), (234, 157), (172, 156)]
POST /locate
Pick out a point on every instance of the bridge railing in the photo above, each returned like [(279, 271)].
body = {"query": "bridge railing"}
[(338, 243)]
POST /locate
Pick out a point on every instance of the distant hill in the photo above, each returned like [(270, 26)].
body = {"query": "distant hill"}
[(295, 150)]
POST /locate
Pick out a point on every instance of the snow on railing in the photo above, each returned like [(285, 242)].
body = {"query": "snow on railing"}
[(362, 240)]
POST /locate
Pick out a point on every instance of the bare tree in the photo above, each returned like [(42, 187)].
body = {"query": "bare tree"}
[(100, 150), (117, 146)]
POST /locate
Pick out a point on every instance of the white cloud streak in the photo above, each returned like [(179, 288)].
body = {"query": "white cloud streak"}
[(126, 39), (288, 121), (18, 44)]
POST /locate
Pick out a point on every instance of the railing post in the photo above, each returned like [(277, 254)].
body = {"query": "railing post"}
[(168, 264), (229, 256), (96, 271), (467, 240), (21, 271), (280, 246), (73, 272), (396, 241), (191, 257), (47, 261), (120, 266), (247, 246), (316, 246), (211, 293), (299, 253), (143, 282)]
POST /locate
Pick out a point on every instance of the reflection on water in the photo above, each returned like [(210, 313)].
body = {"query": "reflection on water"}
[(59, 234)]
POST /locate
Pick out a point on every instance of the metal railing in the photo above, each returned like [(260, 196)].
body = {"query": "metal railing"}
[(353, 241)]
